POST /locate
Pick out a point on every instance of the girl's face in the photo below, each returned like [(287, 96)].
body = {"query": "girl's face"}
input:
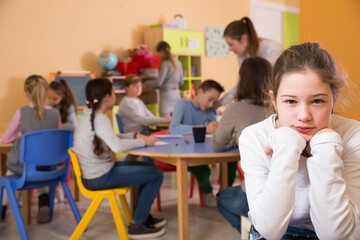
[(54, 97), (236, 46), (109, 100), (134, 90), (207, 99), (304, 103)]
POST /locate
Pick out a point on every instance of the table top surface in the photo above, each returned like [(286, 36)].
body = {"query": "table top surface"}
[(183, 146)]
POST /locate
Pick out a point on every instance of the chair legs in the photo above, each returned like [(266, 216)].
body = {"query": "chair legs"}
[(15, 210), (71, 202), (192, 184), (126, 209), (115, 209), (117, 217), (89, 214)]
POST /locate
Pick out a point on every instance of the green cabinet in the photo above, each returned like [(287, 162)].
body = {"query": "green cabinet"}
[(182, 42), (186, 45)]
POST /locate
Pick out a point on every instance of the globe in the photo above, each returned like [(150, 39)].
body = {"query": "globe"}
[(107, 60)]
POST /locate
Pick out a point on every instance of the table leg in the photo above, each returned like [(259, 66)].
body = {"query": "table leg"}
[(224, 175), (133, 191), (3, 164), (26, 206), (183, 205)]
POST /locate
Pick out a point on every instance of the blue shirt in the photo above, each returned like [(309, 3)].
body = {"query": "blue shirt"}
[(186, 115)]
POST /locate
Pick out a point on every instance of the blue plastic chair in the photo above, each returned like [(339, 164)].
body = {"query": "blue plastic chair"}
[(119, 123), (41, 148)]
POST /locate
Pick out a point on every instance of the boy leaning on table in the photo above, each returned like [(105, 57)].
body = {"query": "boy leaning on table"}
[(195, 112)]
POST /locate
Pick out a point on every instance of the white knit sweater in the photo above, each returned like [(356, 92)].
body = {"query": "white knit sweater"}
[(321, 193)]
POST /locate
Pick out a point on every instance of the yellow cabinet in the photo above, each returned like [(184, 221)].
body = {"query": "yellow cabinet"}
[(182, 42), (187, 46)]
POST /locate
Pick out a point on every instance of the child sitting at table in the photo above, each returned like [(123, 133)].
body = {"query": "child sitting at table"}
[(247, 109), (198, 111), (134, 115), (94, 141), (34, 117), (61, 97)]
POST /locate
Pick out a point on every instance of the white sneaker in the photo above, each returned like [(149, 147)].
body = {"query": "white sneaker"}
[(209, 199)]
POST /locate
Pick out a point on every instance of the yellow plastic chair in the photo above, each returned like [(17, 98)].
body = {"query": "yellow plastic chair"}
[(98, 196)]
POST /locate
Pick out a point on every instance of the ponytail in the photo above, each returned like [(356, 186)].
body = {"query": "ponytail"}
[(96, 90), (36, 86), (236, 29), (165, 47)]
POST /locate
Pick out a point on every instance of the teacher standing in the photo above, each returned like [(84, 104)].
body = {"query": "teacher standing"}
[(242, 39), (170, 79)]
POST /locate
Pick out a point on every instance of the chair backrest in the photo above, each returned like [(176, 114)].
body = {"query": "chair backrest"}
[(44, 155), (119, 123), (75, 164)]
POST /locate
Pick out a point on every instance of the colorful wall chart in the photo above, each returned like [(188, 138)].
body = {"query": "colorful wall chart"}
[(215, 44)]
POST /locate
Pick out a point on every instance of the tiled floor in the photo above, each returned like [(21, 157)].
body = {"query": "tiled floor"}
[(205, 223)]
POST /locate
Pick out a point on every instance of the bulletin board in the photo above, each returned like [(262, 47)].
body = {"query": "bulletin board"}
[(77, 82), (215, 44)]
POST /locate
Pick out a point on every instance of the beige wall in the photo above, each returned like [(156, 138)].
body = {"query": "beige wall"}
[(336, 26), (41, 36)]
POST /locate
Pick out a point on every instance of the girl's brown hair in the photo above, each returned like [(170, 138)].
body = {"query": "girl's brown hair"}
[(96, 90), (305, 57), (254, 72), (131, 79), (236, 29), (63, 89), (165, 47), (36, 86)]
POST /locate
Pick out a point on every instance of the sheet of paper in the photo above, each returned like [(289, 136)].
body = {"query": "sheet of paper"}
[(159, 143), (168, 136)]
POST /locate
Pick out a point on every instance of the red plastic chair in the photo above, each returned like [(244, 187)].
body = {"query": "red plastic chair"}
[(170, 168)]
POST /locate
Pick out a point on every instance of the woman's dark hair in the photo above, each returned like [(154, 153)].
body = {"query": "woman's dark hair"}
[(165, 47), (211, 84), (96, 90), (63, 89), (236, 29), (254, 72)]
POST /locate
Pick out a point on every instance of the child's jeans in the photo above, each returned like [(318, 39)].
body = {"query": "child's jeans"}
[(291, 233), (145, 175), (232, 204)]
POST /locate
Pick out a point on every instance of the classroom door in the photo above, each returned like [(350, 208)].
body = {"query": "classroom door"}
[(276, 21)]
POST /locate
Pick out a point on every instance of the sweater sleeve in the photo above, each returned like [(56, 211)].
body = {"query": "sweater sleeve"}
[(131, 111), (334, 190), (223, 134), (270, 180), (12, 132), (104, 131), (176, 125)]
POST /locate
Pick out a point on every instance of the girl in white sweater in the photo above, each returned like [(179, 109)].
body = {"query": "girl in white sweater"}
[(94, 141), (302, 164)]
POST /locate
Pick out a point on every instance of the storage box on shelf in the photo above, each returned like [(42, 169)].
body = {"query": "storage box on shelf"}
[(187, 46)]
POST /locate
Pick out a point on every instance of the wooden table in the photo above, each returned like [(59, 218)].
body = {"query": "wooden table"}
[(184, 152)]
